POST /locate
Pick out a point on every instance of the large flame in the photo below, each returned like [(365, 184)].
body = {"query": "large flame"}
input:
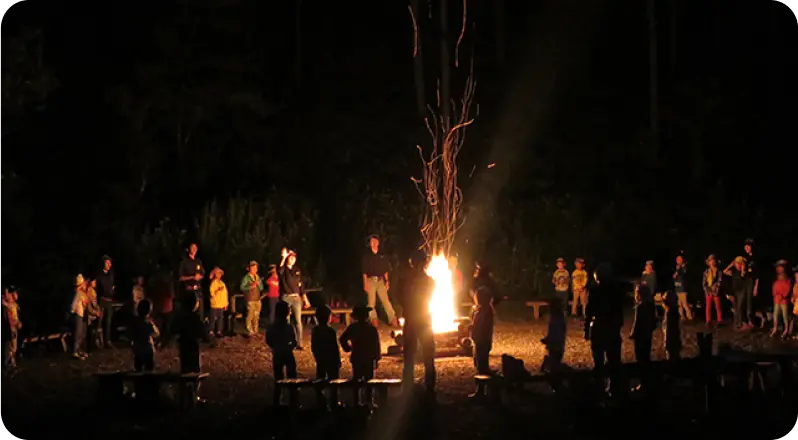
[(441, 306)]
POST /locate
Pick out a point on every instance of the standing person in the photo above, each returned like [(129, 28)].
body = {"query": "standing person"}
[(105, 291), (281, 338), (579, 286), (78, 310), (642, 333), (144, 332), (162, 296), (781, 294), (739, 274), (324, 345), (418, 323), (191, 272), (603, 325), (138, 293), (679, 287), (794, 299), (93, 315), (190, 331), (485, 298), (648, 281), (555, 338), (219, 301), (11, 326), (273, 286), (376, 282), (251, 287), (293, 291), (561, 280), (672, 333), (710, 282), (363, 342), (751, 281)]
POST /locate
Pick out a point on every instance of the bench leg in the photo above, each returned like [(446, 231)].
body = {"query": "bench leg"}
[(293, 398), (536, 312), (382, 396), (278, 394), (335, 401), (321, 401)]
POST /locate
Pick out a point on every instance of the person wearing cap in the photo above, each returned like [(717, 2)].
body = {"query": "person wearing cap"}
[(11, 326), (79, 303), (219, 301), (739, 274), (273, 290), (105, 292), (781, 294), (281, 338), (603, 323), (324, 346), (579, 286), (416, 295), (561, 280), (293, 291), (679, 287), (363, 342), (375, 268), (252, 288), (710, 282), (648, 280), (190, 273)]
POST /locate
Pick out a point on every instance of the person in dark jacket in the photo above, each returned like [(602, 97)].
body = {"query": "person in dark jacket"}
[(417, 294), (281, 338), (190, 331), (603, 326), (324, 345), (485, 299), (643, 332), (362, 340), (555, 337), (671, 327)]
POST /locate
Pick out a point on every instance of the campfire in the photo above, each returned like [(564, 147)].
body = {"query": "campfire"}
[(451, 331)]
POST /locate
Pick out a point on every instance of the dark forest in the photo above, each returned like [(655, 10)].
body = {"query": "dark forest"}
[(247, 126)]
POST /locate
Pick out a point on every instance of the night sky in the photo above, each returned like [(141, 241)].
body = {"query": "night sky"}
[(117, 116)]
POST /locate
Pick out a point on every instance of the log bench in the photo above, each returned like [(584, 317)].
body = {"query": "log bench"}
[(45, 338), (111, 386), (292, 387), (488, 387), (536, 306), (381, 386), (343, 311)]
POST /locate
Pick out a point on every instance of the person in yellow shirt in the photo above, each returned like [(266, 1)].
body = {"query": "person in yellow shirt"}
[(219, 301), (579, 286)]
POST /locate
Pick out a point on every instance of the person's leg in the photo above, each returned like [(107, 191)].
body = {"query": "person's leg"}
[(776, 313), (718, 311), (428, 353), (739, 300), (290, 366), (295, 303), (574, 302), (618, 385), (272, 308), (684, 307), (77, 336), (749, 297), (278, 364), (382, 292), (585, 299), (108, 316), (256, 318), (411, 345), (371, 298), (708, 307)]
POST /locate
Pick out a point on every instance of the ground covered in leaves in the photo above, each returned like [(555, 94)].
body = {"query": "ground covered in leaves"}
[(50, 392)]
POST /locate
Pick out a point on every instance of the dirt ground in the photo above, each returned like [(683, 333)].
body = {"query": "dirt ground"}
[(49, 392)]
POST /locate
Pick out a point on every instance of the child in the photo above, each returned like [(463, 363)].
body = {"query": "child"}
[(12, 325), (190, 330), (781, 292), (642, 332), (711, 284), (794, 298), (280, 337), (252, 288), (485, 299), (555, 338), (79, 304), (144, 330), (324, 345), (579, 286), (561, 280), (739, 275), (363, 341), (679, 288), (93, 312), (138, 293), (671, 329), (219, 301)]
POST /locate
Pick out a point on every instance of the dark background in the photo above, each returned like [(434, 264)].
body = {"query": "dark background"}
[(131, 128)]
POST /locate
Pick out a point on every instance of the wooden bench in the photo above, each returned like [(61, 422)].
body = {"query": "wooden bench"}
[(381, 386), (292, 386), (147, 386), (345, 311), (487, 387), (536, 306), (51, 337)]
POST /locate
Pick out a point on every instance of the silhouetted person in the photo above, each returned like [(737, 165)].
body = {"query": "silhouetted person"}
[(281, 338), (105, 293), (190, 331), (324, 345), (418, 288), (642, 333), (143, 332), (671, 327), (363, 341), (603, 326), (555, 337), (485, 298)]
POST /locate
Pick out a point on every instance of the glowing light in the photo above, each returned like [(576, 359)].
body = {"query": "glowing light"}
[(441, 306)]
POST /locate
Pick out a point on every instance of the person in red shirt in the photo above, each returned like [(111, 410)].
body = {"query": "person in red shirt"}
[(782, 288), (273, 287)]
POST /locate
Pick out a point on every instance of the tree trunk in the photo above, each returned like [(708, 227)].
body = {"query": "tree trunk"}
[(445, 94), (652, 91), (298, 45), (499, 16), (418, 61)]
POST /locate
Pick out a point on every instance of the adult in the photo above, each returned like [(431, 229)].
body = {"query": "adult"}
[(418, 290), (293, 291), (80, 303), (603, 325), (190, 274), (679, 287), (105, 293), (376, 282), (642, 333), (252, 286), (751, 281), (485, 299), (739, 274)]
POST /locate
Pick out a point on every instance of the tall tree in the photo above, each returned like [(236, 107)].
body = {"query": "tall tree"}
[(652, 86), (418, 60)]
